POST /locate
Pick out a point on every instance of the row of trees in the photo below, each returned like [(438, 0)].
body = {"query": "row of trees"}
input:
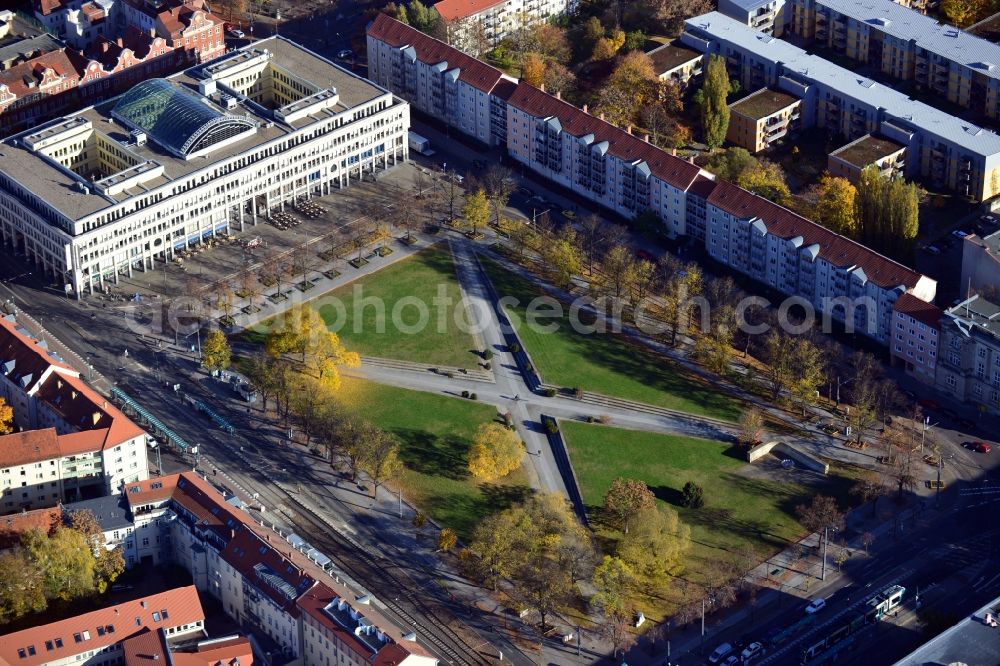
[(66, 564)]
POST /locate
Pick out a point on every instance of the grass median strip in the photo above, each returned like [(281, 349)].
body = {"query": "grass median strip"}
[(605, 362)]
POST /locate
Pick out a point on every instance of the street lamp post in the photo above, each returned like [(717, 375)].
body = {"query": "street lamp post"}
[(927, 425), (826, 541)]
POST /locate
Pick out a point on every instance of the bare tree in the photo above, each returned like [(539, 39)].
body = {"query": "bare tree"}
[(498, 183), (616, 631)]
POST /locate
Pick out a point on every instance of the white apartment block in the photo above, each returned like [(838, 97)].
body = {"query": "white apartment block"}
[(495, 19), (439, 80), (262, 580), (943, 150), (768, 16), (101, 637), (74, 444), (968, 366), (915, 337), (626, 174), (839, 278), (123, 184)]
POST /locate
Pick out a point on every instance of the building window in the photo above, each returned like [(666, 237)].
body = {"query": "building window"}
[(950, 381)]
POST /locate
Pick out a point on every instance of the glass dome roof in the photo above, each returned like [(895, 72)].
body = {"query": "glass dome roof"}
[(179, 120)]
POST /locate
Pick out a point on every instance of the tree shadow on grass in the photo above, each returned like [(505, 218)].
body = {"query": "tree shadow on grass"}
[(667, 494), (430, 455), (736, 453)]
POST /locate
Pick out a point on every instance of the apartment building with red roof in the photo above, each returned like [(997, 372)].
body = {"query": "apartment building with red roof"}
[(100, 637), (72, 443), (916, 330), (469, 22), (840, 279), (262, 579)]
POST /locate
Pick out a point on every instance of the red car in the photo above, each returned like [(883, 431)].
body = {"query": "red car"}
[(981, 447), (644, 255)]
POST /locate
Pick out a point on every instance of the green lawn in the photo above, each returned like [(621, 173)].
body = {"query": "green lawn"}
[(607, 363), (436, 432), (376, 333), (738, 508)]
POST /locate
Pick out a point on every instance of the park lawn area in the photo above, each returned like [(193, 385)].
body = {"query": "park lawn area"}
[(436, 432), (418, 278), (604, 362), (738, 508)]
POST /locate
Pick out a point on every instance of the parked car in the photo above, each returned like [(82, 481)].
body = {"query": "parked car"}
[(981, 447), (932, 250), (238, 34), (988, 219), (815, 606), (752, 651), (569, 214), (731, 660), (344, 54), (720, 653)]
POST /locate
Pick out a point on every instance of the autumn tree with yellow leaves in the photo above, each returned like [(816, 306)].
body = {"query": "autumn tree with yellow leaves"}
[(496, 452)]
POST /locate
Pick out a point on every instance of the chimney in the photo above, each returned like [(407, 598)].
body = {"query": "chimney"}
[(152, 33), (602, 115), (628, 130), (645, 137), (585, 108), (691, 159), (97, 418), (559, 94), (673, 151), (268, 537), (119, 42), (232, 534)]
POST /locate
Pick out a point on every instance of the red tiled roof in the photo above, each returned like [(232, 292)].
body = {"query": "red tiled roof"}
[(20, 448), (222, 652), (429, 50), (29, 357), (14, 525), (702, 187), (668, 168), (837, 250), (454, 10), (920, 310), (249, 553), (504, 89), (16, 77), (182, 605), (46, 7), (146, 648), (152, 490)]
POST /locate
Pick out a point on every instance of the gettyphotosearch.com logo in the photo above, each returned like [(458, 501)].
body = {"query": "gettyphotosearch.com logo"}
[(362, 314)]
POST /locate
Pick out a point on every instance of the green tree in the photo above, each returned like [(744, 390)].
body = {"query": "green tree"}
[(626, 499), (476, 210), (634, 41), (618, 266), (692, 495), (421, 16), (496, 452), (215, 353), (766, 180), (544, 586), (887, 212), (108, 564), (634, 79), (21, 586), (834, 207), (64, 560), (714, 109), (657, 543), (613, 578), (808, 370), (730, 164)]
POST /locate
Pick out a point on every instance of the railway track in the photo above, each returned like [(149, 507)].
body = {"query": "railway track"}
[(380, 575)]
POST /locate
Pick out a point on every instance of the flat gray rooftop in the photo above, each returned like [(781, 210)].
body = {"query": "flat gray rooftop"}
[(57, 186), (908, 24), (972, 138), (11, 49), (989, 241), (984, 315), (968, 642)]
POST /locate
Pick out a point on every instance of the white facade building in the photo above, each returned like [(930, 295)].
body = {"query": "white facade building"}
[(74, 444), (495, 19), (270, 124)]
